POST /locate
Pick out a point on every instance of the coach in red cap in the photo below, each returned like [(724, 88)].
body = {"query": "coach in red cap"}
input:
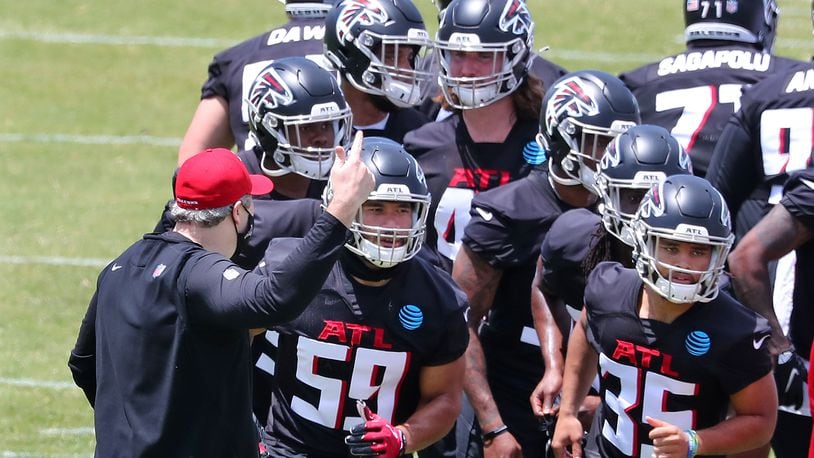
[(163, 351)]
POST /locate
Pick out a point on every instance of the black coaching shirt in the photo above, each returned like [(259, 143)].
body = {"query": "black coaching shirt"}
[(163, 351), (693, 93), (799, 201), (356, 342), (682, 372), (232, 71), (457, 169)]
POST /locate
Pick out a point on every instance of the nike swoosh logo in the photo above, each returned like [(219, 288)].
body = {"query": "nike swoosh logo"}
[(115, 267), (792, 375), (759, 342), (808, 183), (486, 215)]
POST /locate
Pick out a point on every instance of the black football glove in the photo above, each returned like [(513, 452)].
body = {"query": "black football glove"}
[(790, 375)]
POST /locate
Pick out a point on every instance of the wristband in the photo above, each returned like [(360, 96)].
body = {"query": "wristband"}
[(403, 447), (692, 443), (487, 437)]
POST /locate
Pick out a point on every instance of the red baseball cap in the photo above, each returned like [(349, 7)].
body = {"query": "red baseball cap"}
[(216, 178)]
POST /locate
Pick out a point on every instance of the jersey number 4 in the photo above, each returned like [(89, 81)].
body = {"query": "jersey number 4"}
[(368, 365)]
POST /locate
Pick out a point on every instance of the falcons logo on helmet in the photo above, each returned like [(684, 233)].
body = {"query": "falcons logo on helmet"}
[(269, 90), (570, 99), (611, 158), (358, 12), (651, 203), (515, 18), (725, 217)]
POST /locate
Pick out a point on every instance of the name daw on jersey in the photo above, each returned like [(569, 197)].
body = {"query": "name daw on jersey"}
[(733, 58)]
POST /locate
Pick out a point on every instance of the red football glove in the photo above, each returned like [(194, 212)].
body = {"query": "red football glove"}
[(375, 437)]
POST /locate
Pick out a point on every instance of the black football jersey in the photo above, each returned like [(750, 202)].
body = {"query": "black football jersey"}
[(456, 169), (507, 226), (682, 372), (799, 201), (565, 247), (355, 342), (766, 140), (694, 93), (233, 70), (399, 122), (277, 218)]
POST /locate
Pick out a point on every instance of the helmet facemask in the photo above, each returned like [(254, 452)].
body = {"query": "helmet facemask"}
[(648, 240), (469, 92), (616, 202), (582, 159), (386, 75), (385, 247), (292, 133)]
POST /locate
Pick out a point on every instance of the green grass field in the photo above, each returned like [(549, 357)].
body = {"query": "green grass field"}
[(94, 99)]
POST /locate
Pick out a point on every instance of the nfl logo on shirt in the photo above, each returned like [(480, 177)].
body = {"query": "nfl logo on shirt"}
[(692, 5), (159, 269)]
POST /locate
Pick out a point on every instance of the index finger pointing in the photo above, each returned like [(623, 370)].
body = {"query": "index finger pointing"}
[(356, 148)]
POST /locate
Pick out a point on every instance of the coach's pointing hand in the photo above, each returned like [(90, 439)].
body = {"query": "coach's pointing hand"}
[(350, 182)]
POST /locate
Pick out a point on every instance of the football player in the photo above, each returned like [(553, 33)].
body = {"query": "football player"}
[(788, 227), (546, 71), (582, 112), (484, 49), (379, 48), (386, 328), (297, 116), (673, 354), (222, 116), (579, 239), (694, 93), (764, 142)]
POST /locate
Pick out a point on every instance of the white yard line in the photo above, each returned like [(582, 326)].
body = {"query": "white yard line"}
[(54, 261), (33, 383), (90, 139), (67, 431), (14, 454)]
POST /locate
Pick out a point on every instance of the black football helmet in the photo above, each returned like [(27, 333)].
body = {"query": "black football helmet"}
[(292, 101), (582, 111), (748, 21), (307, 8), (502, 29), (398, 178), (366, 39), (683, 208), (635, 160)]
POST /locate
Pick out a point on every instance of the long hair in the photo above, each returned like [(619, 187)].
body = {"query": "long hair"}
[(527, 99), (601, 249)]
